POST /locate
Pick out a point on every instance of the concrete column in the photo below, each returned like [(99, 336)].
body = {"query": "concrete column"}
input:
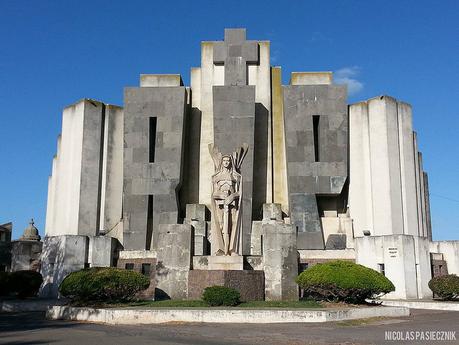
[(280, 260), (174, 259), (407, 170), (418, 185), (206, 167), (75, 192), (423, 198), (280, 187), (385, 166), (360, 181), (260, 76), (112, 173), (427, 207), (50, 228)]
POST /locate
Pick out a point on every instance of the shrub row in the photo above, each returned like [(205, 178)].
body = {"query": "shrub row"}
[(107, 284), (445, 287), (20, 283), (343, 281)]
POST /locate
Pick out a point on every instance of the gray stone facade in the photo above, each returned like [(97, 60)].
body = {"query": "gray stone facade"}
[(234, 125), (151, 180), (316, 132), (322, 180), (173, 260), (280, 259)]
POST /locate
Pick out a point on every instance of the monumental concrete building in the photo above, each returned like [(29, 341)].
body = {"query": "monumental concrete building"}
[(242, 181)]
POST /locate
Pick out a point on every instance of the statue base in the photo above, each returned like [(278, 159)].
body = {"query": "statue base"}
[(226, 262), (250, 284)]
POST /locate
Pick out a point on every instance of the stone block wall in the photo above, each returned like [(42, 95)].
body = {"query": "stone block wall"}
[(25, 255), (234, 125), (151, 184), (316, 129), (250, 284), (280, 262), (174, 260)]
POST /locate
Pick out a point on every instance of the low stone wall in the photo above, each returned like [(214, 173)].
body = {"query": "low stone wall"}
[(217, 315), (419, 304), (38, 304), (251, 284)]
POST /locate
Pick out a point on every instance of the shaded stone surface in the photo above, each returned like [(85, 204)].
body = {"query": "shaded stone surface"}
[(234, 125), (173, 260), (316, 132), (250, 284), (280, 259), (25, 255), (336, 241)]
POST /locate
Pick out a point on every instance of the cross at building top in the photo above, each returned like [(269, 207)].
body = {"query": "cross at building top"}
[(235, 52)]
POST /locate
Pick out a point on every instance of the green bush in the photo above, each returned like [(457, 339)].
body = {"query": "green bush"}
[(24, 283), (4, 284), (221, 295), (343, 281), (103, 284), (446, 287)]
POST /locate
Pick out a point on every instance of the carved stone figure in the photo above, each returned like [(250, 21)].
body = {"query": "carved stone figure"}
[(226, 200)]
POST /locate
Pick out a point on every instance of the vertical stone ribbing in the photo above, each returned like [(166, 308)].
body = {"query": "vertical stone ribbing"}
[(280, 188)]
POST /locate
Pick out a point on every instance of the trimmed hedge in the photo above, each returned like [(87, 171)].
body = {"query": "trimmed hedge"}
[(4, 283), (221, 296), (343, 281), (25, 283), (20, 283), (103, 284), (446, 287)]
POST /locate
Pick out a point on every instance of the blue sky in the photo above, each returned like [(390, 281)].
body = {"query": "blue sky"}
[(54, 53)]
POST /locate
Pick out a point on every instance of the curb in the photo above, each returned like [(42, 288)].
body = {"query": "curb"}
[(162, 315), (431, 305)]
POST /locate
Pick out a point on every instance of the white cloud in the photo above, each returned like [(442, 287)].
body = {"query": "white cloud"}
[(347, 75)]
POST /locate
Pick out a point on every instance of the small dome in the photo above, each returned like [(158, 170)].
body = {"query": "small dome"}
[(31, 233)]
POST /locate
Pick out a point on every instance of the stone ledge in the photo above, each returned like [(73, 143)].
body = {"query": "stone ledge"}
[(419, 304), (16, 306), (218, 315)]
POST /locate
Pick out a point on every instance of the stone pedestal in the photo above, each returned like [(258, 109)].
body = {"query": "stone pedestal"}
[(173, 260), (25, 255), (280, 262), (250, 284), (226, 262)]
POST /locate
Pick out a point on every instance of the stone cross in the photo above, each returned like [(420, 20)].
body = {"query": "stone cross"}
[(235, 53)]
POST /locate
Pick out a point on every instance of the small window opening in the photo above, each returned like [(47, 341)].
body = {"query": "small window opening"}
[(149, 222), (315, 123), (146, 269), (152, 138), (129, 266), (382, 269)]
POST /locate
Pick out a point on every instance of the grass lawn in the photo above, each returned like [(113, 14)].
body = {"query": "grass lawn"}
[(202, 304)]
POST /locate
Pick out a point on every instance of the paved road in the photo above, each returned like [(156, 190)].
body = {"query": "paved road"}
[(32, 328)]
